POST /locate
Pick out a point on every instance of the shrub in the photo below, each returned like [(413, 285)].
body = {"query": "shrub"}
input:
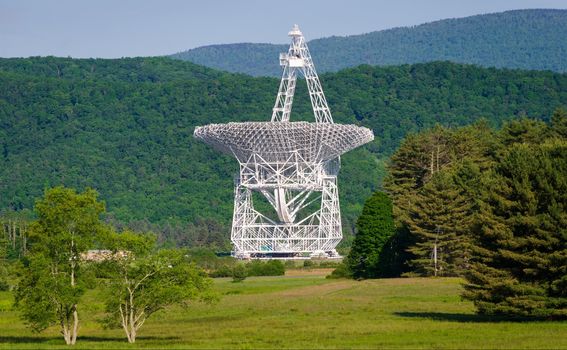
[(307, 264), (253, 268), (4, 285), (342, 271), (203, 257), (103, 269), (239, 273), (329, 264), (289, 264), (222, 271), (266, 268)]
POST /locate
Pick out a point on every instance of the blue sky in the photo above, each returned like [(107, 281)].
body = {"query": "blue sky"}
[(123, 28)]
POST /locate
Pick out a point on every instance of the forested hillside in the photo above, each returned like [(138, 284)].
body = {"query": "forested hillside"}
[(124, 127), (527, 39)]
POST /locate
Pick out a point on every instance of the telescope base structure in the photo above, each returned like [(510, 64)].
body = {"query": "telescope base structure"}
[(316, 236)]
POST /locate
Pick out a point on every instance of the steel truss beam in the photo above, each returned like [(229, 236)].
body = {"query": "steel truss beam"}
[(298, 59)]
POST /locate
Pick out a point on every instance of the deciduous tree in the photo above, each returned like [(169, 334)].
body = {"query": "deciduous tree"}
[(143, 282), (52, 282)]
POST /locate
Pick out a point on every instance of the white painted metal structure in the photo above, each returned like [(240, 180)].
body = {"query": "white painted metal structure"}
[(296, 59), (294, 165)]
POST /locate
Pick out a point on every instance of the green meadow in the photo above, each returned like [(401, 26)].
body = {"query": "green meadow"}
[(306, 311)]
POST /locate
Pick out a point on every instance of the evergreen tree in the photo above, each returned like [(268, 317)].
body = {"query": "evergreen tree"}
[(394, 257), (419, 157), (439, 221), (436, 214), (559, 123), (477, 145), (375, 227), (524, 130), (520, 234)]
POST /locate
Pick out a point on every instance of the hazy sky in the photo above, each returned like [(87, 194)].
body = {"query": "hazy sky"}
[(120, 28)]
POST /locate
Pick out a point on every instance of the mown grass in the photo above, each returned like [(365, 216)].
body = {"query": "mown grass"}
[(308, 312)]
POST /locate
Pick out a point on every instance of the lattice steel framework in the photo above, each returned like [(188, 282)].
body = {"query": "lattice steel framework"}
[(294, 165)]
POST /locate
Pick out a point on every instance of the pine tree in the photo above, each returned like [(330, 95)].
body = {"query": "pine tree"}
[(520, 234), (419, 157), (559, 123), (423, 155), (524, 130), (394, 257), (439, 220), (375, 227)]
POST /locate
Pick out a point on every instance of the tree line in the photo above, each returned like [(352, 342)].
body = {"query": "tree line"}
[(484, 204)]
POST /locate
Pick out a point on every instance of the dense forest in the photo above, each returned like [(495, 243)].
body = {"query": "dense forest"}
[(124, 127), (527, 39)]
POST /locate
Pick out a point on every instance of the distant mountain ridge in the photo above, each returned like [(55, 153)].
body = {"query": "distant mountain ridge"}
[(528, 39)]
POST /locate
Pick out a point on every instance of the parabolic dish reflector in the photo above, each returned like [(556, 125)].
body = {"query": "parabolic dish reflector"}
[(315, 142)]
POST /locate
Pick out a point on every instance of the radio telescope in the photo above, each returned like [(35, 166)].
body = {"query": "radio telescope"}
[(294, 165)]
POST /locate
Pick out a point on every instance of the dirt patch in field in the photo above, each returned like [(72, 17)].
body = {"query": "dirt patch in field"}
[(310, 272), (323, 289), (419, 281)]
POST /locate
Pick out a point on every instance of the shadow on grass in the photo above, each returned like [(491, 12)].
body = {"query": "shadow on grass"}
[(213, 319), (30, 339), (27, 339), (473, 318)]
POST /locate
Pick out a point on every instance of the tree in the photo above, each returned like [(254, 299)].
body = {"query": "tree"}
[(524, 130), (416, 161), (439, 220), (14, 226), (143, 282), (559, 123), (4, 285), (520, 234), (430, 209), (375, 226), (421, 156), (52, 282)]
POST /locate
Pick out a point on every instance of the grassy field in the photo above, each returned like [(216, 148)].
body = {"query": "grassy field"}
[(307, 311)]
